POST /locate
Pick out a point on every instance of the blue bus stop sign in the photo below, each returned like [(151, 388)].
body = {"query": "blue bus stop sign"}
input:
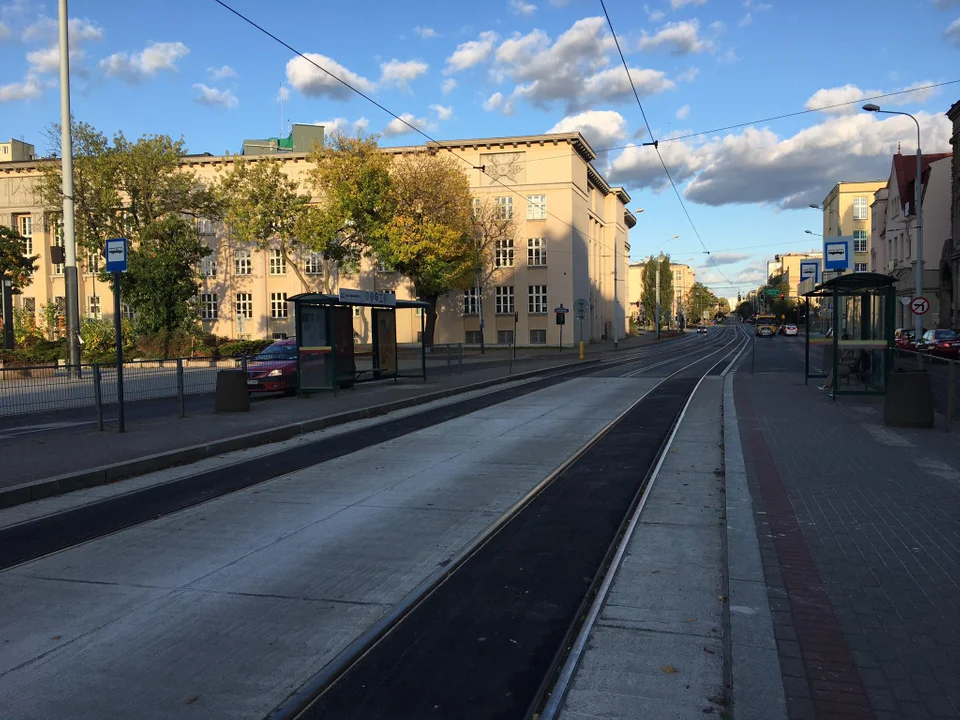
[(117, 255)]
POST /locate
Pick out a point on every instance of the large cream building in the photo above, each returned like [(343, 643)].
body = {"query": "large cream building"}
[(788, 265), (572, 243), (846, 212)]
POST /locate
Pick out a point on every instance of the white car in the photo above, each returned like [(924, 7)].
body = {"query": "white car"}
[(791, 330)]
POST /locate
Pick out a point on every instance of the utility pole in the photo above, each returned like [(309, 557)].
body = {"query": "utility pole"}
[(72, 288), (659, 263), (616, 262)]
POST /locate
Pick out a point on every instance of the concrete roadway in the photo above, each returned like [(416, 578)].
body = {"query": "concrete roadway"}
[(224, 609)]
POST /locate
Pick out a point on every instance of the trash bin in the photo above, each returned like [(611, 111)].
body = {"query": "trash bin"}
[(231, 394), (909, 400)]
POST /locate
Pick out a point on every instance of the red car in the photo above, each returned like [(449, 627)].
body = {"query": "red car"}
[(904, 338), (942, 343), (274, 369)]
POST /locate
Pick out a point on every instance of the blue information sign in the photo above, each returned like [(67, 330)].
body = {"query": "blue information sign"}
[(116, 255)]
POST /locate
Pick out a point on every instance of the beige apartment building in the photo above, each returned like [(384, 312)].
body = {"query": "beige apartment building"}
[(572, 243), (846, 212), (683, 279), (788, 264)]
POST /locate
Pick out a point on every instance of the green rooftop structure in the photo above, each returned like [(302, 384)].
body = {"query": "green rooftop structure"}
[(301, 140)]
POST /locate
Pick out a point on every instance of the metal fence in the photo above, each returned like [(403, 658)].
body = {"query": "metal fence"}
[(943, 378)]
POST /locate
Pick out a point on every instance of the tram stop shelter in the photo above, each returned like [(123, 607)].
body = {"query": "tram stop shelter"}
[(858, 353), (328, 356)]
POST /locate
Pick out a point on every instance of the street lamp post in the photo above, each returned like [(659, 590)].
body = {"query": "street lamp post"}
[(71, 284), (918, 203)]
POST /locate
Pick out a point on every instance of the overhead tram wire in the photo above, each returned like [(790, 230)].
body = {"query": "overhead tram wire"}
[(655, 143), (392, 114)]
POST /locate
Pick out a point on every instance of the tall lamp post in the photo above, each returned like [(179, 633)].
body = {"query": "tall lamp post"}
[(918, 204), (72, 288)]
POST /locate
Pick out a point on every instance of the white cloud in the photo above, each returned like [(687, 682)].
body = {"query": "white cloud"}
[(45, 29), (654, 15), (688, 75), (756, 166), (851, 95), (683, 113), (397, 127), (48, 59), (612, 84), (519, 7), (952, 33), (337, 126), (601, 128), (134, 67), (212, 97), (425, 32), (448, 86), (4, 31), (758, 6), (718, 27), (493, 102), (444, 112), (726, 258), (284, 94), (682, 38), (400, 73), (361, 124), (219, 73), (729, 57), (680, 3), (471, 53), (746, 20), (304, 76), (26, 90)]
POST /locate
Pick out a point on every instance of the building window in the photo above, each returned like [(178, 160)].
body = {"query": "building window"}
[(30, 306), (537, 299), (93, 306), (58, 242), (504, 208), (93, 262), (61, 306), (859, 208), (25, 228), (536, 207), (210, 306), (127, 312), (382, 267), (278, 263), (357, 312), (205, 226), (278, 305), (245, 305), (242, 264), (473, 337), (313, 263), (859, 240), (505, 304), (503, 253), (279, 336), (538, 337), (859, 267), (536, 252), (208, 266), (504, 337), (471, 301)]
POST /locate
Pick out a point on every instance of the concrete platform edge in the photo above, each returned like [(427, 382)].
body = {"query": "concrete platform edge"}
[(757, 692), (105, 474)]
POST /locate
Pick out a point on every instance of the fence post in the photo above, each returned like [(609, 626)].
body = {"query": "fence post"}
[(243, 362), (951, 394), (180, 393), (460, 352), (98, 395)]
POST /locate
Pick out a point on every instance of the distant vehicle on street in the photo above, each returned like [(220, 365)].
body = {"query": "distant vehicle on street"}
[(904, 338), (701, 329), (942, 343), (274, 369), (766, 325), (790, 330)]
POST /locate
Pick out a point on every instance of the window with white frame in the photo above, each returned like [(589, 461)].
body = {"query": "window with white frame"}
[(538, 337), (382, 266), (58, 242), (25, 228), (127, 312), (859, 267), (859, 208), (859, 240), (242, 264), (61, 305), (536, 299), (313, 263), (205, 226), (476, 206), (278, 305), (471, 301), (209, 306), (93, 306), (208, 266), (536, 207), (245, 305), (505, 300), (30, 306), (504, 337), (536, 252), (278, 263), (504, 207), (473, 337), (503, 253), (93, 261)]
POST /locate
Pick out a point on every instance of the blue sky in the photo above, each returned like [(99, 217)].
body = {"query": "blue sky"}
[(515, 67)]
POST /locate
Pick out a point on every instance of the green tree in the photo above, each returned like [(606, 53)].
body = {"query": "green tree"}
[(14, 261), (649, 297), (430, 239), (724, 305), (701, 302), (162, 281)]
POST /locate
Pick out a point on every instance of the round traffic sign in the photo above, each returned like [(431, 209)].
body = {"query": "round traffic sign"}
[(905, 300), (919, 305)]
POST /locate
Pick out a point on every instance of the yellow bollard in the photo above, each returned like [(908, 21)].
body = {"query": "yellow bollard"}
[(581, 349)]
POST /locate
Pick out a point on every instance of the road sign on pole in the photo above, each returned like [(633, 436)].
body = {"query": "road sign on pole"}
[(919, 305), (116, 255), (838, 253)]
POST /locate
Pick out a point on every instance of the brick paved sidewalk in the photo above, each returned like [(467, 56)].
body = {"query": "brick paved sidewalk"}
[(859, 530)]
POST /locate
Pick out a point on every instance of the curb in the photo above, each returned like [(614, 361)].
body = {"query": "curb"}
[(755, 663), (106, 474)]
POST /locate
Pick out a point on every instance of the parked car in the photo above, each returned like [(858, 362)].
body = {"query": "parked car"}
[(765, 331), (274, 369), (942, 343), (701, 329), (904, 338), (790, 330)]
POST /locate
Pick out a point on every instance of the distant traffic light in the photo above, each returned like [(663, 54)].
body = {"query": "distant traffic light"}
[(781, 296)]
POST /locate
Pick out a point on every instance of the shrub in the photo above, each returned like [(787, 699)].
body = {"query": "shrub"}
[(244, 347)]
